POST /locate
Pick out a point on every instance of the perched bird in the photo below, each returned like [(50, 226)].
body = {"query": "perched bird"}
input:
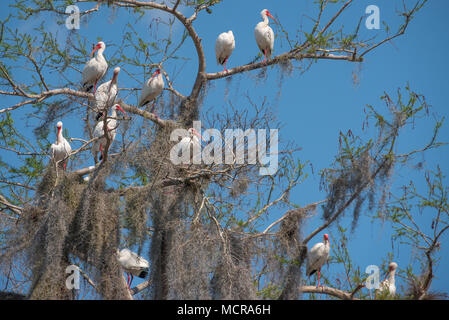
[(186, 144), (265, 35), (106, 94), (95, 68), (133, 264), (99, 144), (61, 148), (388, 285), (317, 256), (151, 89), (224, 45)]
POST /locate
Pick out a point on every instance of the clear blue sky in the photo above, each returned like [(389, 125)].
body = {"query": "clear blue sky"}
[(316, 105)]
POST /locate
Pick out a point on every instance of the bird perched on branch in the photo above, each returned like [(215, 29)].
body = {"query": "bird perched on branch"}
[(99, 144), (95, 68), (388, 285), (191, 139), (224, 45), (133, 264), (61, 148), (317, 256), (151, 89), (106, 94), (265, 35)]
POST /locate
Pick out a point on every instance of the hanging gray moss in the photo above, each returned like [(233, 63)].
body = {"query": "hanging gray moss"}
[(232, 278), (48, 251), (194, 252)]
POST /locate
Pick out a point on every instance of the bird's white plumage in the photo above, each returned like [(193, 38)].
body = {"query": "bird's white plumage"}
[(95, 68), (190, 144), (317, 256), (264, 35), (224, 45), (189, 141), (133, 263), (106, 93), (99, 132), (389, 284), (151, 89), (61, 148)]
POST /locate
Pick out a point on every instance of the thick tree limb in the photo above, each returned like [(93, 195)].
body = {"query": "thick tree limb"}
[(343, 295), (145, 114), (140, 287), (36, 98), (280, 58), (16, 209)]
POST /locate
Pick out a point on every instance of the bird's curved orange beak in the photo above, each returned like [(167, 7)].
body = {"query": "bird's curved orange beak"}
[(198, 135), (95, 49), (156, 73), (269, 14), (120, 108)]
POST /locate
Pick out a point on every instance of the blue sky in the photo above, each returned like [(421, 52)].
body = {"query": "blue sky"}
[(316, 105)]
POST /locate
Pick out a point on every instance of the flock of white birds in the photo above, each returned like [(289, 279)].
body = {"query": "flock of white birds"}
[(105, 96)]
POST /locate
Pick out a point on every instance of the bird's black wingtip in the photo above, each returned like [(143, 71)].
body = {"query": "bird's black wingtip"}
[(99, 116), (143, 274), (87, 88)]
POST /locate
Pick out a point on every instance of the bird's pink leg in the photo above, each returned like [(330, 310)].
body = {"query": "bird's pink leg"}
[(319, 273), (265, 55), (65, 165), (226, 61), (152, 110), (95, 88)]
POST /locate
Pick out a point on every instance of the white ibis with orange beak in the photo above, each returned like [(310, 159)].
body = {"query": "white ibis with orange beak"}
[(152, 89), (133, 264), (95, 68), (61, 148), (106, 94), (317, 256), (265, 35), (224, 45), (99, 144), (388, 285), (192, 139), (189, 147)]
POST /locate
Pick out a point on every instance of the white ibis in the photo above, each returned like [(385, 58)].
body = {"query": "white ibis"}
[(188, 142), (98, 144), (133, 264), (105, 94), (388, 285), (317, 256), (95, 68), (61, 148), (152, 89), (265, 35), (224, 45)]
